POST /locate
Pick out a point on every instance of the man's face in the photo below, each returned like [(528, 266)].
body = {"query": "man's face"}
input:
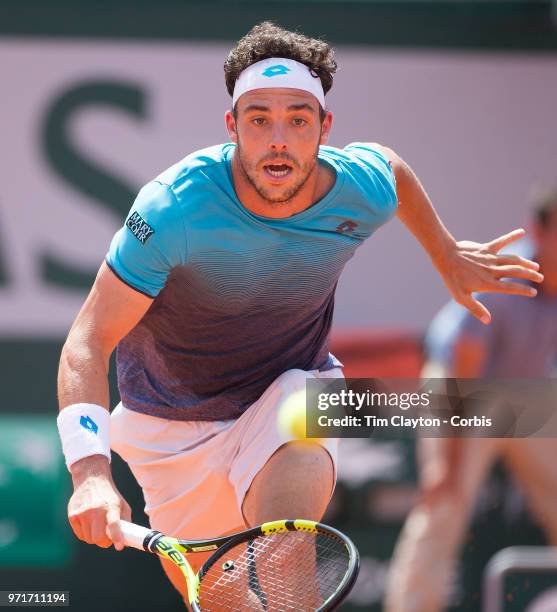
[(278, 133), (546, 241)]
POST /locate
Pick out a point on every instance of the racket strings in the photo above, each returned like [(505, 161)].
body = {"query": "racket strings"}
[(279, 572)]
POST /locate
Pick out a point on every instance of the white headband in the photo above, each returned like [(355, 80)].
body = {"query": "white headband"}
[(278, 72)]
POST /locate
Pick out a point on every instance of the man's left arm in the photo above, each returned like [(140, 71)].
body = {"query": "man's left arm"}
[(465, 267)]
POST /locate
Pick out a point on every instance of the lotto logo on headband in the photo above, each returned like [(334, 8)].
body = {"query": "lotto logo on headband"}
[(272, 71), (89, 424), (292, 74)]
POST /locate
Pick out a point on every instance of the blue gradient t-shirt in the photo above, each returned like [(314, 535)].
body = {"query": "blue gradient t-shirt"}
[(239, 298)]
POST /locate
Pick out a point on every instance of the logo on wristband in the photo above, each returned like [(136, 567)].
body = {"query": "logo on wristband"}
[(89, 424)]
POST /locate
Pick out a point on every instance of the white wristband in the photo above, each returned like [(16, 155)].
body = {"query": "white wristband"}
[(84, 431)]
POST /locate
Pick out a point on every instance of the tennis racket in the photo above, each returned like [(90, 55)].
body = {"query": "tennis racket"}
[(282, 565)]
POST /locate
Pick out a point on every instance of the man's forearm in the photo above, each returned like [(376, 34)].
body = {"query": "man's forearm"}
[(416, 211), (83, 375), (466, 267), (83, 378)]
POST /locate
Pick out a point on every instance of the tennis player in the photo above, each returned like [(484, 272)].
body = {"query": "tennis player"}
[(218, 293)]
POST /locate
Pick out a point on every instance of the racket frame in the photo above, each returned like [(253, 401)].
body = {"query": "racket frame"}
[(175, 549)]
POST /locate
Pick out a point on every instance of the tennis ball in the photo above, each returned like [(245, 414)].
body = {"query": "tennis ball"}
[(291, 417)]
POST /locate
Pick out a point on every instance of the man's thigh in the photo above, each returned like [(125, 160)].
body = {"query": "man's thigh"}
[(274, 475), (296, 482)]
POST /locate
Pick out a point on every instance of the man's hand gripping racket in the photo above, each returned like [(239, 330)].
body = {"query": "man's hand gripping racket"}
[(278, 566)]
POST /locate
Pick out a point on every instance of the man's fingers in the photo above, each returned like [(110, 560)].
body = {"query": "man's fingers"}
[(512, 288), (75, 524), (113, 530), (86, 535), (90, 527), (99, 527), (515, 260), (99, 536), (505, 239), (518, 272), (125, 511), (98, 530), (476, 308), (94, 512), (81, 525)]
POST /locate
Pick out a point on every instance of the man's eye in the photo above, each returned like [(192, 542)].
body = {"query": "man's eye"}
[(298, 121), (258, 121)]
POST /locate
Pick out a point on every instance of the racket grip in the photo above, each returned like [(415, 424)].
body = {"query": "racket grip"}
[(134, 535)]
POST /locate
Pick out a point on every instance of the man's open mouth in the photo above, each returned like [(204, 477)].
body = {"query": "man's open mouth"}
[(277, 170)]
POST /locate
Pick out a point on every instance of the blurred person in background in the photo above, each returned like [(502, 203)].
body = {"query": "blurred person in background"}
[(521, 342)]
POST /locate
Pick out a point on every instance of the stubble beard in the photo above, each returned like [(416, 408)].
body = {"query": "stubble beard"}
[(286, 196)]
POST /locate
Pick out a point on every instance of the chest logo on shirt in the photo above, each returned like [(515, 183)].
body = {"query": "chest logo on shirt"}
[(272, 71), (347, 227), (139, 227)]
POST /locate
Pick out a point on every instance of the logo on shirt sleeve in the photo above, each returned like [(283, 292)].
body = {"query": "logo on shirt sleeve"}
[(139, 227)]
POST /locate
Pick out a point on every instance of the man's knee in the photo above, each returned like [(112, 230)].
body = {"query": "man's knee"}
[(296, 482), (302, 461)]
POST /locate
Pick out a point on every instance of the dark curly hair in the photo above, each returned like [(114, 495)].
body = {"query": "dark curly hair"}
[(267, 40)]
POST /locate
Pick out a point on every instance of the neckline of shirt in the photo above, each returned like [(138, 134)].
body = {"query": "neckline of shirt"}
[(323, 155)]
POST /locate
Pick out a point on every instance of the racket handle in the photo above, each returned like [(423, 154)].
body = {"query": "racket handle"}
[(134, 535)]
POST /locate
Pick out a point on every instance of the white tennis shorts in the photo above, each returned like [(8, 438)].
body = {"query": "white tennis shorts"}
[(195, 474)]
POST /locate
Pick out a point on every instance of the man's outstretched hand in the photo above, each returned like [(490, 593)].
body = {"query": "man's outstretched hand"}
[(473, 267)]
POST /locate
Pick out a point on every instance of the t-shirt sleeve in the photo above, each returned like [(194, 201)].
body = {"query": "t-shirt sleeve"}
[(376, 175), (152, 241)]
